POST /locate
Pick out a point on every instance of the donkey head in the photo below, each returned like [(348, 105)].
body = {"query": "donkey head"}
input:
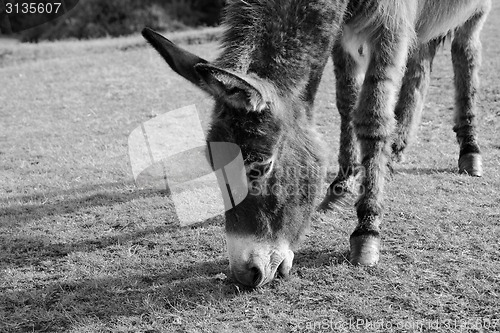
[(281, 155)]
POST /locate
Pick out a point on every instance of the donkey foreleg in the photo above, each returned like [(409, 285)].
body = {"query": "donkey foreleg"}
[(466, 57), (374, 123)]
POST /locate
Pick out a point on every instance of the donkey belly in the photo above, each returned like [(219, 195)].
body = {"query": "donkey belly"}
[(437, 17), (429, 18)]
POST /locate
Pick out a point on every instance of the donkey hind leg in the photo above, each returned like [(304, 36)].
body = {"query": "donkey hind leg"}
[(412, 97), (374, 124), (349, 74), (466, 57), (311, 88)]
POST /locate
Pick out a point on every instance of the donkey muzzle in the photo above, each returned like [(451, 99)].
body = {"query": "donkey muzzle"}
[(254, 263)]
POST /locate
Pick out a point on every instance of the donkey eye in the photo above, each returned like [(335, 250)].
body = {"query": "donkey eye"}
[(258, 170), (266, 168), (233, 91)]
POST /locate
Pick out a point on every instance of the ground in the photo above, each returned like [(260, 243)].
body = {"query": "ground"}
[(82, 249)]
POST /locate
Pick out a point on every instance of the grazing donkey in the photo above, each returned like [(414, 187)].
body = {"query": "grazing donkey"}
[(264, 84)]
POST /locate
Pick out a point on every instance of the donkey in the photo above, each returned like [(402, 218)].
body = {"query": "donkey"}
[(264, 83)]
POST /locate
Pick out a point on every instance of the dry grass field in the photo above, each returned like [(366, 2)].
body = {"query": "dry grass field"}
[(82, 249)]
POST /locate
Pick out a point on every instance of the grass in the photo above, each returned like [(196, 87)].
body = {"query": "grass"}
[(83, 250), (12, 52)]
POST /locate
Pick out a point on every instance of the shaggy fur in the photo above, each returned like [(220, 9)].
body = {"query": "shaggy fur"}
[(265, 80), (387, 82), (284, 44)]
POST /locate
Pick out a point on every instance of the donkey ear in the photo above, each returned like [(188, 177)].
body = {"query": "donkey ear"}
[(181, 61), (231, 88)]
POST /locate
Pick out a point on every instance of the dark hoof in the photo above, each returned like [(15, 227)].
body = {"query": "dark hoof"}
[(471, 164), (365, 249)]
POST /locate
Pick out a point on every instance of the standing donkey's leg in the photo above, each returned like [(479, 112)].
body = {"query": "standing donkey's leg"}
[(349, 74), (374, 122), (311, 88), (412, 96), (466, 56)]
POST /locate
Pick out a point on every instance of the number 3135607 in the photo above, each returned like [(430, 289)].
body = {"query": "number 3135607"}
[(32, 8)]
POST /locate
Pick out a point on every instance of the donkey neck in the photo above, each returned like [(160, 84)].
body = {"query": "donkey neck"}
[(280, 41)]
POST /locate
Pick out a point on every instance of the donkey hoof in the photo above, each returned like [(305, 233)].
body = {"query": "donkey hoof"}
[(365, 249), (471, 164)]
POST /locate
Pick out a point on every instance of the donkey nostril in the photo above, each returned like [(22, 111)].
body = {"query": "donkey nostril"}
[(255, 276), (251, 276), (280, 271)]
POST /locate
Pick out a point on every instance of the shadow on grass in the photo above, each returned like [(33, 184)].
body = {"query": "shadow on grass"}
[(25, 251), (69, 201), (58, 306), (40, 196), (166, 295), (142, 297)]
